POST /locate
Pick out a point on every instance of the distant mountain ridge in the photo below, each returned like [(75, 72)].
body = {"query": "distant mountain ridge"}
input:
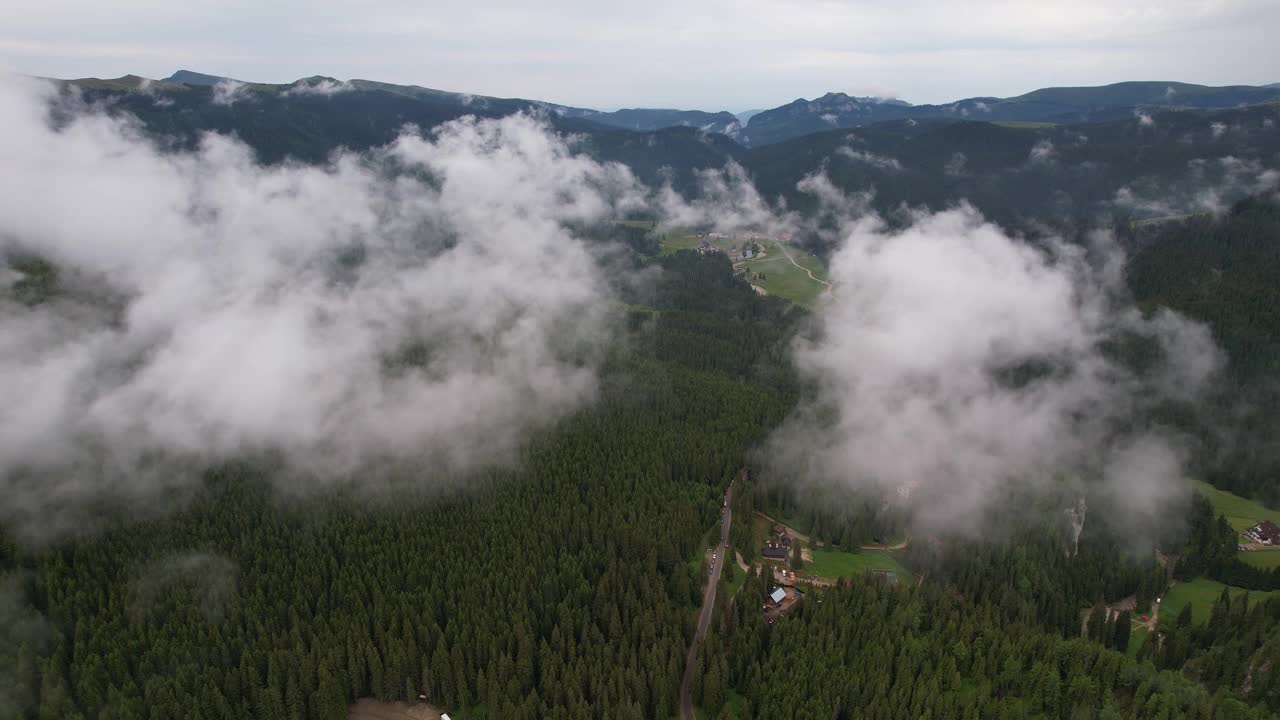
[(190, 77), (1055, 104), (835, 110)]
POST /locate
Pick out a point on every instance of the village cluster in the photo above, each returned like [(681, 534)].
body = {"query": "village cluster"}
[(1265, 533), (750, 247)]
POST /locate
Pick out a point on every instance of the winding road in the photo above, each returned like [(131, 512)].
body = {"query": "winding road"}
[(708, 604), (783, 248)]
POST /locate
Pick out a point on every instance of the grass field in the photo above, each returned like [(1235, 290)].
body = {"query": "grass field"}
[(677, 241), (1262, 558), (784, 279), (1160, 219), (1136, 638), (1201, 593), (698, 563), (1241, 512), (838, 563), (1023, 124), (759, 534), (731, 587), (781, 277)]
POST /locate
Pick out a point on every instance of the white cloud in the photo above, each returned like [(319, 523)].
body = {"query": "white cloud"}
[(343, 316), (1042, 152), (226, 92), (952, 362), (323, 86), (882, 162)]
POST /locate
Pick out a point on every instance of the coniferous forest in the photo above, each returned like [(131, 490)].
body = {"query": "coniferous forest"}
[(565, 586), (564, 582)]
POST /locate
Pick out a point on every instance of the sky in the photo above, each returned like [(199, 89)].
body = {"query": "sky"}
[(707, 54)]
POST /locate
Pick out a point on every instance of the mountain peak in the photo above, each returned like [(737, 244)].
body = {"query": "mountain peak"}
[(190, 77)]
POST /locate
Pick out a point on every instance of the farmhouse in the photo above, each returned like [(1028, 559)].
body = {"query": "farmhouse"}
[(775, 552), (1264, 532)]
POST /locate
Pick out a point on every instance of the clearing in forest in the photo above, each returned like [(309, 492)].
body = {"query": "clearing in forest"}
[(370, 709), (829, 563), (1243, 514), (1201, 594)]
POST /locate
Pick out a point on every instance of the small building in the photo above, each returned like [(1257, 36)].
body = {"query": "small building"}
[(785, 541), (1265, 533), (775, 552), (779, 529), (777, 596)]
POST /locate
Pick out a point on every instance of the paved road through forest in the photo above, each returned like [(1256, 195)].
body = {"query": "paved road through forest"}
[(708, 603)]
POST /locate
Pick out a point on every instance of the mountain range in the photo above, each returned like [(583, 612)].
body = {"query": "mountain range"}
[(754, 128)]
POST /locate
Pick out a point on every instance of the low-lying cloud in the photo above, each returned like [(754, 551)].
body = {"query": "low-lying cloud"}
[(322, 86), (162, 311), (1208, 185), (228, 91), (882, 162), (952, 363)]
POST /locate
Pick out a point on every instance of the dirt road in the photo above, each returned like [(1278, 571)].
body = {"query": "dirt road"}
[(790, 530), (807, 271), (708, 604)]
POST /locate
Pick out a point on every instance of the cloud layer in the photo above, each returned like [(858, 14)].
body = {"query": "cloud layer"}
[(427, 301), (952, 362)]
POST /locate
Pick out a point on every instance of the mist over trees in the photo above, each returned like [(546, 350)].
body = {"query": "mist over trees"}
[(529, 412)]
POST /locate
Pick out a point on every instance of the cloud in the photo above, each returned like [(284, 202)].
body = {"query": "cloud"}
[(1144, 118), (427, 303), (226, 92), (726, 199), (1217, 129), (955, 165), (1209, 185), (1042, 152), (214, 579), (1127, 198), (952, 363), (882, 162), (321, 86)]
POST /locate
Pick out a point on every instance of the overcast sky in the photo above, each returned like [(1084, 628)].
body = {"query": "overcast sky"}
[(704, 54)]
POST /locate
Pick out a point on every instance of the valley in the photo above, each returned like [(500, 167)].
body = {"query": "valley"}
[(360, 399)]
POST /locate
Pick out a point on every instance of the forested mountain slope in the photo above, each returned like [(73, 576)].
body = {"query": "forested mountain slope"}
[(1068, 175), (1222, 271), (558, 589), (1056, 105), (1150, 165)]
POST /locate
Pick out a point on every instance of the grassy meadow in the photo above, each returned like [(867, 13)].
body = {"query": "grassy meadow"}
[(1201, 594)]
